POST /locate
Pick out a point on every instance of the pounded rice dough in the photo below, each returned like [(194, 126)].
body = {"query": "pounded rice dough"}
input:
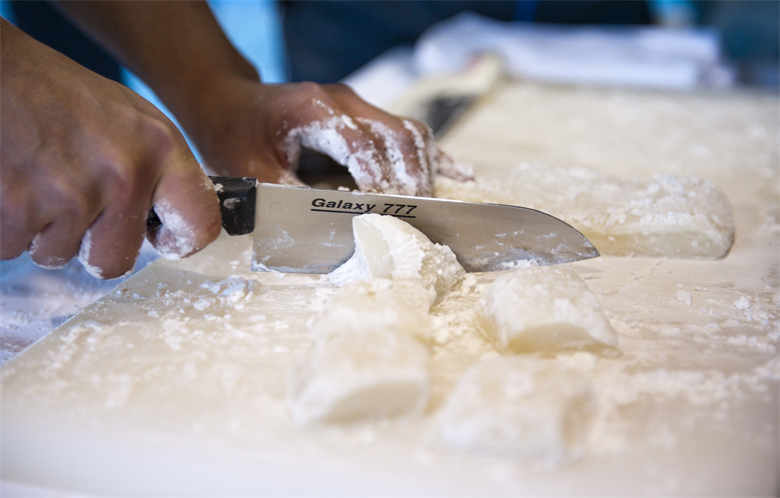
[(360, 377), (386, 247), (375, 305), (543, 309), (661, 215), (518, 407)]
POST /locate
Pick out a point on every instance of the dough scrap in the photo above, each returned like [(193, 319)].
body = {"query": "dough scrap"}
[(386, 247), (518, 407), (661, 215), (375, 305), (360, 377), (543, 309)]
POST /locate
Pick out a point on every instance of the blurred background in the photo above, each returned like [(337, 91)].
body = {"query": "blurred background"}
[(381, 47), (326, 41)]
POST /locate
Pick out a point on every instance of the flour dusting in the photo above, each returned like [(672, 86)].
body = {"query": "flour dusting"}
[(84, 252), (176, 238)]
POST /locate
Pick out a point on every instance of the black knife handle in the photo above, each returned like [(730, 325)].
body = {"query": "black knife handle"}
[(237, 198)]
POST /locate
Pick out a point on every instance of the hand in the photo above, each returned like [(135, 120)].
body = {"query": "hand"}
[(83, 159), (245, 128)]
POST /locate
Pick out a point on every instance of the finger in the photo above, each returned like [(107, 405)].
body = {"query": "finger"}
[(74, 207), (17, 228), (110, 247), (403, 147), (188, 208), (407, 142), (340, 138), (449, 167), (20, 220), (58, 243)]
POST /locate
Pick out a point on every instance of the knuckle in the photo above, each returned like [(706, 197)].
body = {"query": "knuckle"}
[(75, 205), (127, 173), (422, 128), (341, 89), (114, 159), (314, 98), (157, 126), (159, 133), (311, 89), (411, 136)]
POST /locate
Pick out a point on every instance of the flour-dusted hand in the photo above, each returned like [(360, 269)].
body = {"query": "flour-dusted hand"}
[(259, 130), (83, 160), (243, 127)]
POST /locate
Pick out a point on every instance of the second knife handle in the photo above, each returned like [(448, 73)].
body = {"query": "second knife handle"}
[(237, 197)]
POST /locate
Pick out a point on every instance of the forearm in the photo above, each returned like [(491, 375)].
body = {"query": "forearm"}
[(244, 128), (176, 47)]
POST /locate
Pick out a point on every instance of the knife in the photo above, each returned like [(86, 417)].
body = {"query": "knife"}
[(307, 230)]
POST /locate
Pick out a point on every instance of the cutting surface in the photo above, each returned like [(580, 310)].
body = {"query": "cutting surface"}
[(175, 382)]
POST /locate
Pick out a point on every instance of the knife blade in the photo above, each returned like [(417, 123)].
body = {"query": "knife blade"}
[(307, 230)]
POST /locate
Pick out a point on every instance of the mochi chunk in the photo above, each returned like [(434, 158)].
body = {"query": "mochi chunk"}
[(543, 309), (518, 407), (360, 377), (386, 247), (375, 305)]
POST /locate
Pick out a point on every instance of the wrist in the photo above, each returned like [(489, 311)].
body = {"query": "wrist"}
[(217, 111), (192, 90)]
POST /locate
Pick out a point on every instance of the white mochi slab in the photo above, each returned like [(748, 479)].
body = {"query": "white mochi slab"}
[(360, 377), (386, 247), (659, 215), (543, 309), (375, 305), (518, 407)]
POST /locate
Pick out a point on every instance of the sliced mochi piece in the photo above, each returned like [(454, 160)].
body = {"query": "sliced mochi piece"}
[(386, 247), (375, 305), (360, 377), (518, 407), (544, 309)]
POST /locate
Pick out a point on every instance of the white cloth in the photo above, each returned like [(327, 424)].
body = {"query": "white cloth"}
[(626, 56)]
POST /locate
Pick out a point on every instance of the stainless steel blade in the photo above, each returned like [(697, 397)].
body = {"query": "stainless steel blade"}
[(304, 230)]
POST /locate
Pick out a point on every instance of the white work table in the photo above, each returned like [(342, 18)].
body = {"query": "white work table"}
[(127, 398)]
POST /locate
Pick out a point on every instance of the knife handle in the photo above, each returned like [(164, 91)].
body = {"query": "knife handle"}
[(237, 198)]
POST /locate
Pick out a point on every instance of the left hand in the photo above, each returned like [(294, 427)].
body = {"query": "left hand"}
[(246, 128)]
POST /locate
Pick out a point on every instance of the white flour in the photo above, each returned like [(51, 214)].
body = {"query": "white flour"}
[(379, 165), (176, 238)]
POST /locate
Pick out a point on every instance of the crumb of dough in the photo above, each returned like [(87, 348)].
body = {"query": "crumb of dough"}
[(518, 407), (544, 309), (360, 377), (660, 215), (386, 247)]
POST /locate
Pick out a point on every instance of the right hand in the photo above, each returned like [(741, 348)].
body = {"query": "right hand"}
[(83, 159)]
